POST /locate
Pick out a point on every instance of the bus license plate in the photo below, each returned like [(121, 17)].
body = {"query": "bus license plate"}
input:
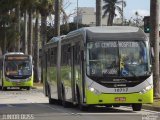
[(120, 99)]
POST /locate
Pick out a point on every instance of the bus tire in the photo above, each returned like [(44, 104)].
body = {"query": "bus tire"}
[(28, 88), (51, 101), (64, 102), (81, 106), (137, 107), (4, 88), (46, 89)]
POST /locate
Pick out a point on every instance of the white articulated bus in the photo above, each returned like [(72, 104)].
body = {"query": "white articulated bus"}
[(99, 66)]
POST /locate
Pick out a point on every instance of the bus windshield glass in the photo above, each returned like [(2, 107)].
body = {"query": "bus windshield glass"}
[(18, 68), (117, 58)]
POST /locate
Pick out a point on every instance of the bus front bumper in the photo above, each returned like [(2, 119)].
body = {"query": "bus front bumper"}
[(105, 98), (22, 83)]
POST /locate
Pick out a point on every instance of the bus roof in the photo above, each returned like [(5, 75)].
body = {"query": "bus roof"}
[(110, 33)]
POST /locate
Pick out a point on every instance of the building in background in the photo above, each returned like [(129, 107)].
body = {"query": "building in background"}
[(87, 15)]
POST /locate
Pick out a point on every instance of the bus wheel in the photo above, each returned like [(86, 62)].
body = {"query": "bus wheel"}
[(28, 88), (51, 101), (64, 102), (116, 105), (80, 106), (4, 88), (137, 107)]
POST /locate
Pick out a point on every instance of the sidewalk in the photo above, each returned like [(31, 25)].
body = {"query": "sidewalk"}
[(155, 106), (37, 86)]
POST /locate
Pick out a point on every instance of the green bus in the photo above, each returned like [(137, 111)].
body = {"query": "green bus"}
[(16, 71), (108, 66)]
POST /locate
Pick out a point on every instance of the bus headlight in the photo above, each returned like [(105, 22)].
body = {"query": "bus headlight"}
[(146, 89), (97, 92)]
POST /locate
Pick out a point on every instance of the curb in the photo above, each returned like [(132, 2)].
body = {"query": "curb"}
[(37, 87), (148, 107)]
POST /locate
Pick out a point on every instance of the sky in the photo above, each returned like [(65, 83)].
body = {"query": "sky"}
[(141, 6)]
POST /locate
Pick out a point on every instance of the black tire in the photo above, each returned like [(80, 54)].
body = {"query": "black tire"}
[(51, 101), (46, 89), (4, 88), (116, 105), (137, 107), (81, 106), (64, 102), (28, 88), (108, 106)]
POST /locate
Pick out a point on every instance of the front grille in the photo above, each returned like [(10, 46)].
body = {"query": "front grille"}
[(120, 82)]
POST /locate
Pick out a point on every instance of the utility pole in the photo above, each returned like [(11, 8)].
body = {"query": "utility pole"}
[(154, 38), (98, 12)]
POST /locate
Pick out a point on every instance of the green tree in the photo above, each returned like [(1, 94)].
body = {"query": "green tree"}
[(7, 24), (110, 8)]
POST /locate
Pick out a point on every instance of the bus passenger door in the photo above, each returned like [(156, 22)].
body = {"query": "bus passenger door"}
[(76, 70)]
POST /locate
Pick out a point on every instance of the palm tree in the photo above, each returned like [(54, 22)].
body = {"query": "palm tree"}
[(36, 49), (110, 7), (7, 25), (57, 17), (18, 12), (98, 12), (45, 8), (29, 7)]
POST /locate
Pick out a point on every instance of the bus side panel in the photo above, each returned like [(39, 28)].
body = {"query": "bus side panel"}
[(93, 98)]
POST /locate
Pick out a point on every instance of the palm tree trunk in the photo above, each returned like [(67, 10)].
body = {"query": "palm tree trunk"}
[(5, 41), (98, 12), (25, 34), (17, 45), (30, 36), (109, 20), (43, 29), (154, 37), (44, 39), (112, 18), (57, 18), (36, 49)]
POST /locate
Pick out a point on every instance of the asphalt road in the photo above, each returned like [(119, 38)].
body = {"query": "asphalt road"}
[(33, 105)]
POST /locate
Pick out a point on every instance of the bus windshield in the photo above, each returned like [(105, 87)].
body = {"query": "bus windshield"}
[(18, 68), (117, 58)]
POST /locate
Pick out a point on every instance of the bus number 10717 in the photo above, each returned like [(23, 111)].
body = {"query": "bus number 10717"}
[(121, 90)]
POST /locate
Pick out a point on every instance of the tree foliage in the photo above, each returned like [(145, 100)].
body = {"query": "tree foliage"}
[(110, 8)]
